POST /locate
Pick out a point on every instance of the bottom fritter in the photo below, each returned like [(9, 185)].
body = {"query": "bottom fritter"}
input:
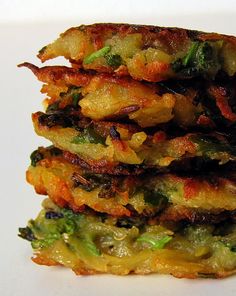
[(92, 243)]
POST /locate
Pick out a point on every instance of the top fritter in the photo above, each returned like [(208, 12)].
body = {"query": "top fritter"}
[(145, 52)]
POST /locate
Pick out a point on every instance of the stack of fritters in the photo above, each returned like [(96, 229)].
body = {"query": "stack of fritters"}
[(141, 176)]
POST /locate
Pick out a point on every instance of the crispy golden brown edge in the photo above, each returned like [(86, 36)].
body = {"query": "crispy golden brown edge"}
[(88, 39)]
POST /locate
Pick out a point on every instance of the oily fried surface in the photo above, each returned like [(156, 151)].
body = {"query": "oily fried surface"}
[(89, 244), (101, 144), (145, 52), (102, 97), (193, 165), (174, 198)]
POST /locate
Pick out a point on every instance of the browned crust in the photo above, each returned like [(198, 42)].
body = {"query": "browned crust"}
[(172, 38), (149, 31), (85, 271), (221, 97), (181, 213), (41, 259), (60, 75), (103, 166)]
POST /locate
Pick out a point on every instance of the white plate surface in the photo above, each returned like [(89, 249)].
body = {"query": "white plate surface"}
[(24, 29)]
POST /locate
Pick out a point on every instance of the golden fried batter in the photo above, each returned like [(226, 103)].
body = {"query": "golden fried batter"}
[(103, 97), (69, 185), (145, 52), (122, 146)]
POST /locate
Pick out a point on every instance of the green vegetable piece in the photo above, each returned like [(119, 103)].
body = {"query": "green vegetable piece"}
[(201, 59), (52, 107), (67, 213), (97, 54), (155, 197), (44, 243), (155, 243), (80, 139), (113, 60), (35, 157), (75, 99), (71, 217), (208, 144), (88, 135), (233, 249), (191, 53), (91, 247), (204, 55), (69, 227)]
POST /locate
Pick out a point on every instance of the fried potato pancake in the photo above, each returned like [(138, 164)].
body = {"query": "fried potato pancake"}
[(90, 244), (103, 97), (145, 52), (119, 144), (171, 196)]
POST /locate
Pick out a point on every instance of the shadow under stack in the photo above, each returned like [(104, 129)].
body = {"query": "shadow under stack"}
[(141, 174)]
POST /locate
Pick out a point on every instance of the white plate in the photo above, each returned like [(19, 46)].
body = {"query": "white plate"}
[(24, 31)]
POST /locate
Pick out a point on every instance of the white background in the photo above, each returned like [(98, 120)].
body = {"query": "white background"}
[(26, 26)]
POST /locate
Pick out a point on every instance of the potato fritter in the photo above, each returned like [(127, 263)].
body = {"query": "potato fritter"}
[(145, 195), (119, 145), (90, 244), (145, 52), (102, 97)]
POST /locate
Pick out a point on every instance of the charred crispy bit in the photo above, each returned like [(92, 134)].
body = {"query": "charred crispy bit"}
[(59, 75), (193, 165), (225, 100), (129, 109), (193, 198), (79, 180), (104, 167), (189, 103), (145, 52), (132, 148), (88, 244), (42, 153), (115, 135), (180, 213), (26, 233)]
